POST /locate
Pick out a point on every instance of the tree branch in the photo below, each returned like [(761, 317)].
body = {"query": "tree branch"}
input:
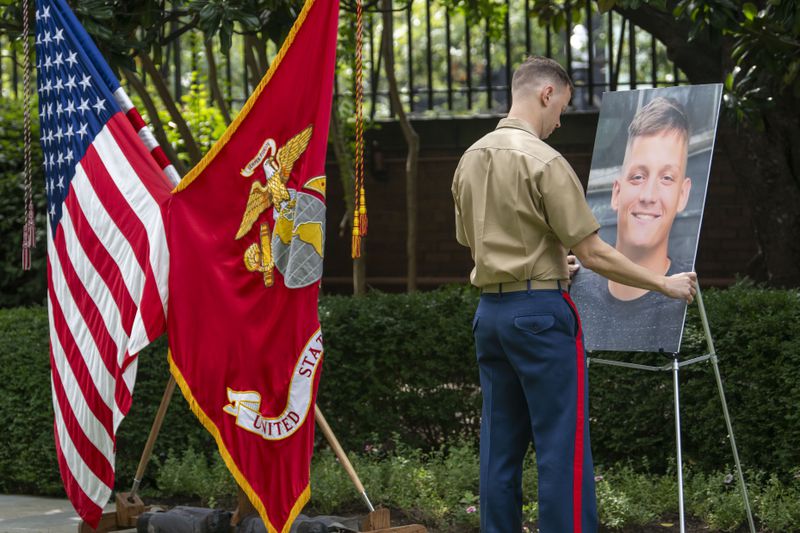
[(191, 145)]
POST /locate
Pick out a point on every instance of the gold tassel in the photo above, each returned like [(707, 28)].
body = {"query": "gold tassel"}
[(356, 244), (362, 212)]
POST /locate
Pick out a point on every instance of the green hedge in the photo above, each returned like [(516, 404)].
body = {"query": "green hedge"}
[(18, 287), (401, 368)]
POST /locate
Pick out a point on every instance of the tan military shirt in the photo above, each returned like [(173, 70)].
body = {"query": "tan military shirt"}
[(519, 207)]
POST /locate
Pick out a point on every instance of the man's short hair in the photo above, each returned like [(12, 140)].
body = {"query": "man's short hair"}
[(659, 115), (537, 69)]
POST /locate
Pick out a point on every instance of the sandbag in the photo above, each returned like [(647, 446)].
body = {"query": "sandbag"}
[(303, 524), (185, 520)]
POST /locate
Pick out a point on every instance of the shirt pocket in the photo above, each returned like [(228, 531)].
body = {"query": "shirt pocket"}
[(535, 324)]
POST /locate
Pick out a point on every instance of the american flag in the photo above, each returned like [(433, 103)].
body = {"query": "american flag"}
[(106, 184)]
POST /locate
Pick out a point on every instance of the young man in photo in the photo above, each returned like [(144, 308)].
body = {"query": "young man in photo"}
[(651, 189)]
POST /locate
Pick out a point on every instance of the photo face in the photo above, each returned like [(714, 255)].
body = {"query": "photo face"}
[(647, 189), (650, 191)]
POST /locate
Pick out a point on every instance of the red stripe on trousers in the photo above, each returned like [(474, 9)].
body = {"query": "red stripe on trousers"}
[(577, 460), (89, 511)]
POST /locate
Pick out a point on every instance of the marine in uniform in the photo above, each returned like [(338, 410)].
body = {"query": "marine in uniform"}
[(519, 208)]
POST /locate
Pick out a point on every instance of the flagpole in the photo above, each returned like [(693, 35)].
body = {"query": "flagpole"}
[(342, 456), (151, 439)]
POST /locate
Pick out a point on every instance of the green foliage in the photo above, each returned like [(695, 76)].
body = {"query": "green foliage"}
[(765, 47), (439, 488), (400, 375), (204, 119), (778, 506), (27, 450), (180, 431), (756, 333), (192, 474), (717, 499), (400, 364), (626, 497), (221, 16), (18, 287)]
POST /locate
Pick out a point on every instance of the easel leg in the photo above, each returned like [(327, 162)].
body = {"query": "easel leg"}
[(154, 430), (726, 414), (676, 394), (129, 505), (378, 521), (337, 449)]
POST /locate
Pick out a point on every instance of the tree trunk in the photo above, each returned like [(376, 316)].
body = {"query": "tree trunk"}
[(260, 45), (345, 164), (766, 163), (166, 98), (213, 82), (412, 139), (254, 70), (155, 122)]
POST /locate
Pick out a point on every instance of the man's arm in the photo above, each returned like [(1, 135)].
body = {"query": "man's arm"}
[(596, 255)]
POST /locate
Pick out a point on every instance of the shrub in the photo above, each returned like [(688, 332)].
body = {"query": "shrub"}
[(778, 505), (756, 334), (400, 364), (400, 371), (192, 474), (16, 286), (438, 488)]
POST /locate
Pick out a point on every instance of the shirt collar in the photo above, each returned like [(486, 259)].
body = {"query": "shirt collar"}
[(516, 123)]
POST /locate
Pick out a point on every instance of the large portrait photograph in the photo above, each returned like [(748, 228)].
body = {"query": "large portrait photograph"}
[(647, 189)]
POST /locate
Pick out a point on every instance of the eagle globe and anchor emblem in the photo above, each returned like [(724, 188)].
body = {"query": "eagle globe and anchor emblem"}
[(295, 246)]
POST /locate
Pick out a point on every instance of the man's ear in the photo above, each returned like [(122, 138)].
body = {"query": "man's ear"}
[(686, 188), (615, 195), (546, 93)]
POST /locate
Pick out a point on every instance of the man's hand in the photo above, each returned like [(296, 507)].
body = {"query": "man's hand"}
[(573, 265), (682, 286)]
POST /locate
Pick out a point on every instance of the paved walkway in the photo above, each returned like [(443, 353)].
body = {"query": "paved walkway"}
[(29, 514)]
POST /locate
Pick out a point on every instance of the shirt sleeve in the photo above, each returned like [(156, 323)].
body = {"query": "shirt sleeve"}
[(461, 235), (566, 210)]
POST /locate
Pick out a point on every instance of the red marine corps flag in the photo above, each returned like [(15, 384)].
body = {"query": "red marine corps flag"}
[(246, 237)]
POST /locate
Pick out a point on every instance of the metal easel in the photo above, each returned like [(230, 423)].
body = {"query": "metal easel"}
[(675, 367)]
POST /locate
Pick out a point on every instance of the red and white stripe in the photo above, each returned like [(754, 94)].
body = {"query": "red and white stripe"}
[(146, 135), (108, 266)]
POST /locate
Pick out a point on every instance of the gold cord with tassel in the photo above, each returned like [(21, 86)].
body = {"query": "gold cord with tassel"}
[(29, 226), (359, 197)]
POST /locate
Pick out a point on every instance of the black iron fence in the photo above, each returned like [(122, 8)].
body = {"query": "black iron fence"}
[(444, 64)]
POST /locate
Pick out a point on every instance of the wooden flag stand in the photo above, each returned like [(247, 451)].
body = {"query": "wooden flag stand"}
[(129, 506)]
